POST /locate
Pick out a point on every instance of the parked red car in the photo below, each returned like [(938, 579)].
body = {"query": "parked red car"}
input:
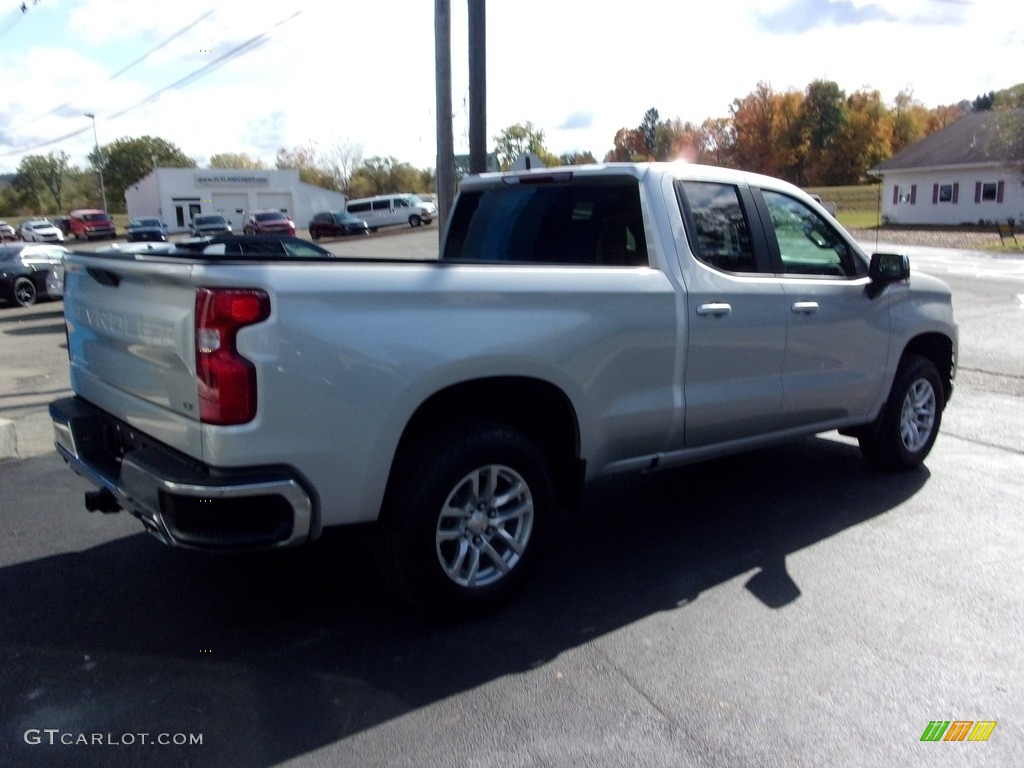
[(268, 222), (87, 223)]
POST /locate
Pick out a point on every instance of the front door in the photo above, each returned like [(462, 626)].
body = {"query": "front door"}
[(838, 336)]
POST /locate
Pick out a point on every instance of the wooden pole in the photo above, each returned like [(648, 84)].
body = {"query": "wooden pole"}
[(445, 141), (477, 87)]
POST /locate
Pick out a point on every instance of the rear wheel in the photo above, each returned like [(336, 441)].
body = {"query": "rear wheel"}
[(25, 294), (906, 429), (466, 519)]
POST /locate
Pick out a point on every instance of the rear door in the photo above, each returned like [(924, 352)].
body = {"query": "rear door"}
[(735, 323)]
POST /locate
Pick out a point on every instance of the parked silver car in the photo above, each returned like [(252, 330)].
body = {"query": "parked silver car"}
[(41, 231)]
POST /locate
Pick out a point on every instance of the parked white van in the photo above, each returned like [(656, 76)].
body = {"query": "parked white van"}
[(388, 210)]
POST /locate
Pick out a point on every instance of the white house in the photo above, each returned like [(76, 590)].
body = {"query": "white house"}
[(954, 177), (178, 194)]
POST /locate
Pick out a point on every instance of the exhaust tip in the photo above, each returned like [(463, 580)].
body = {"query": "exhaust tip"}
[(101, 501)]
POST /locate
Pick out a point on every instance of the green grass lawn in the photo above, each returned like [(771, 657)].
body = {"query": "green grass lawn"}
[(857, 207)]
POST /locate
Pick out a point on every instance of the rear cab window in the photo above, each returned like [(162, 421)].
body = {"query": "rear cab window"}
[(594, 221)]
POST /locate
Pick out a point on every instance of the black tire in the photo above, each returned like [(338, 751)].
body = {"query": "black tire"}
[(905, 431), (415, 221), (450, 545), (24, 292), (313, 235)]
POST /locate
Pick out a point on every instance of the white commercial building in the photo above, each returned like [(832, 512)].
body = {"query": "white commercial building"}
[(178, 194)]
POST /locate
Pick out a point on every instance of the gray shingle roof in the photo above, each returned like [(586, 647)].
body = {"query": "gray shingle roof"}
[(967, 141)]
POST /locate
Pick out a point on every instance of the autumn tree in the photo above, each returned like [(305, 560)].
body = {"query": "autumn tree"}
[(127, 160), (909, 121), (628, 146), (308, 161), (576, 158), (236, 160), (518, 139), (756, 131), (383, 175), (718, 142), (863, 141), (341, 161)]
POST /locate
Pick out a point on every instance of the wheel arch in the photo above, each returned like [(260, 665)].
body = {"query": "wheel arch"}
[(938, 348), (537, 408)]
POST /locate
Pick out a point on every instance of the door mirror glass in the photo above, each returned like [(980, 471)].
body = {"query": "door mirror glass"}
[(887, 268)]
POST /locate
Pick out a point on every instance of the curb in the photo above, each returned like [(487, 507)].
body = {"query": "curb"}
[(8, 439)]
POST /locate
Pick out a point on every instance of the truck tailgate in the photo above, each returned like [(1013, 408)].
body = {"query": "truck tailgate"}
[(131, 342)]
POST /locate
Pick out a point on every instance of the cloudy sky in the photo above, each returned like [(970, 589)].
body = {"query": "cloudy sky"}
[(252, 76)]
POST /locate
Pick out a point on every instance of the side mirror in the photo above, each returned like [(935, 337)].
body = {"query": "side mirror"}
[(887, 268)]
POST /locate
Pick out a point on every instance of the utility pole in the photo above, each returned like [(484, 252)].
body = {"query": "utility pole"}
[(445, 141), (99, 158), (477, 86)]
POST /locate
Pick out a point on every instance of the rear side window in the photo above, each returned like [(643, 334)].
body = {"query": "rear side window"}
[(382, 205), (717, 226), (583, 221)]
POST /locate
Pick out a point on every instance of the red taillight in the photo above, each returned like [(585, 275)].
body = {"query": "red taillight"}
[(227, 381)]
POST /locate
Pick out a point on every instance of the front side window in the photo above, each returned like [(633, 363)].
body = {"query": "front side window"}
[(717, 226), (808, 245)]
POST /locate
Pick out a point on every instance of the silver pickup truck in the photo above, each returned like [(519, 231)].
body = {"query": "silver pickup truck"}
[(580, 321)]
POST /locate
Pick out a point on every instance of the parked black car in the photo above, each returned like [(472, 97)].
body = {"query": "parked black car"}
[(240, 245), (23, 271), (337, 223), (146, 228), (209, 224)]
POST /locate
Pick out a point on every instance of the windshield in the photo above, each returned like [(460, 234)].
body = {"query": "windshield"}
[(200, 220), (145, 223), (272, 216), (95, 217)]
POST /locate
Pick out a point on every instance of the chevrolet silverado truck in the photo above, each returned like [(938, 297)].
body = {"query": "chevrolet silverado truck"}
[(578, 322)]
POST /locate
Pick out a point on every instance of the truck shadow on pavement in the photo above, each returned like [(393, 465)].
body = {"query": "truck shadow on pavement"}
[(272, 656)]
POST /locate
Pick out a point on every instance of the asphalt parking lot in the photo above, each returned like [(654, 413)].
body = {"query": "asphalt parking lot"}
[(788, 607)]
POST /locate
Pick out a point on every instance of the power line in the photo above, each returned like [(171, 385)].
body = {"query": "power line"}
[(121, 71), (239, 50)]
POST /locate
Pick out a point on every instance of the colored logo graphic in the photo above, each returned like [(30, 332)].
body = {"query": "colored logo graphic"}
[(959, 730)]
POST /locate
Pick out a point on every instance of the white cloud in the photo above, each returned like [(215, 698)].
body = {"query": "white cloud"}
[(364, 73)]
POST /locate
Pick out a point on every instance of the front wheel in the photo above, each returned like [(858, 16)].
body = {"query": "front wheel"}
[(415, 221), (466, 519), (25, 294), (906, 429)]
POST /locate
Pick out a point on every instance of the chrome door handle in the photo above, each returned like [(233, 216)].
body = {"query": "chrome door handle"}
[(805, 307), (714, 310)]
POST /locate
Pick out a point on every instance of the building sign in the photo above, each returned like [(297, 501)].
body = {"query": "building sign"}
[(231, 178)]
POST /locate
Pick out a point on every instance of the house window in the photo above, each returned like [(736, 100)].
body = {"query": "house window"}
[(906, 194), (988, 192), (946, 193)]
